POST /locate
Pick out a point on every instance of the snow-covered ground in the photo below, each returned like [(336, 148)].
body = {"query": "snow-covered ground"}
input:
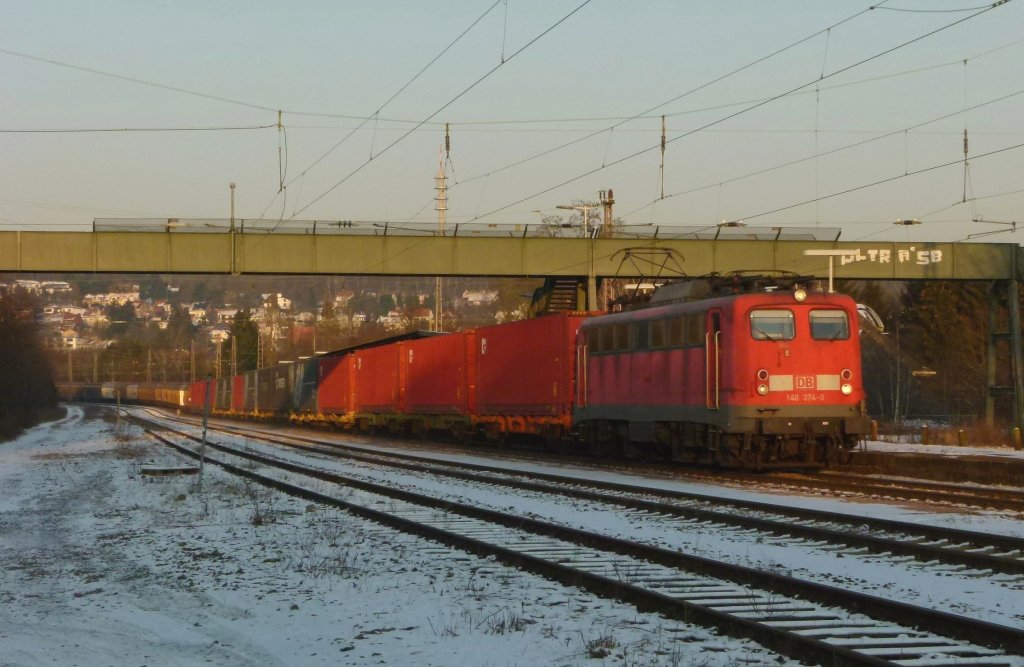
[(994, 598), (102, 567), (943, 450)]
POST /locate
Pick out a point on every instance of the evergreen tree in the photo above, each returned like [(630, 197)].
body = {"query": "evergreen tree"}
[(27, 392), (179, 327), (246, 336), (330, 335), (122, 317)]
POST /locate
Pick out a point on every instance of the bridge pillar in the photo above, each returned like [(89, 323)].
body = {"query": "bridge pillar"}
[(1018, 354), (990, 355), (1015, 352)]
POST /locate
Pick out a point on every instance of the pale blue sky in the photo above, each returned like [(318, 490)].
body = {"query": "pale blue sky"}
[(607, 62)]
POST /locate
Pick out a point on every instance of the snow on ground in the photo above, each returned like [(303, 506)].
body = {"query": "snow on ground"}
[(965, 518), (942, 587), (102, 567), (942, 450)]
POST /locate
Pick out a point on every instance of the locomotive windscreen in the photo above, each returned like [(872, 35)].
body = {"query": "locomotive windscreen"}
[(772, 324)]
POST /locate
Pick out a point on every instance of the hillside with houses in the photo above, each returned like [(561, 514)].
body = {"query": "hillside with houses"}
[(105, 328)]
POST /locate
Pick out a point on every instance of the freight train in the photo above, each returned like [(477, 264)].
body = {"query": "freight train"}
[(727, 371)]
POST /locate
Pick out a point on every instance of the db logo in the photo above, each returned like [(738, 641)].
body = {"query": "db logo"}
[(805, 382)]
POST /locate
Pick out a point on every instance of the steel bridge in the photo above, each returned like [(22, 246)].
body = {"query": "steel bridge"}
[(217, 246), (352, 248)]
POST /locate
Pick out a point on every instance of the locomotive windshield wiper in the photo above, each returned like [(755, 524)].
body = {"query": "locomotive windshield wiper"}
[(764, 334), (839, 333)]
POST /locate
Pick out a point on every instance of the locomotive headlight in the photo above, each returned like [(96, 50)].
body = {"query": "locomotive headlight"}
[(762, 389), (799, 294), (847, 389), (846, 374), (762, 375)]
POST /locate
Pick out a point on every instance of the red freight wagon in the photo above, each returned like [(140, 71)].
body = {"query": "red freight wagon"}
[(435, 374), (376, 380), (335, 385), (238, 394), (196, 394), (525, 375)]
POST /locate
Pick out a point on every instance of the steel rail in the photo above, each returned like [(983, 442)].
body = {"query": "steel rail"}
[(942, 623), (964, 547), (928, 491), (948, 545)]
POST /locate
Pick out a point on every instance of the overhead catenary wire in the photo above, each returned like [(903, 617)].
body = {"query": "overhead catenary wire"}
[(879, 182), (689, 92), (409, 121), (838, 149), (375, 116), (722, 119), (94, 130), (447, 104), (936, 11)]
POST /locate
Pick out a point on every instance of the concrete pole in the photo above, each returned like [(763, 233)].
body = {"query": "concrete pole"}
[(206, 416), (990, 356), (232, 186)]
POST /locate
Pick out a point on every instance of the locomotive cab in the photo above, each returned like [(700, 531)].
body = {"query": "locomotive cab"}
[(796, 383)]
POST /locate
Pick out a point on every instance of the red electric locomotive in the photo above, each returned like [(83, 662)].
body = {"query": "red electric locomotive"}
[(712, 371)]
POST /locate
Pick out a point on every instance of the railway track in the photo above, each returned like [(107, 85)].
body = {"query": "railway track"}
[(808, 621), (994, 498), (971, 552)]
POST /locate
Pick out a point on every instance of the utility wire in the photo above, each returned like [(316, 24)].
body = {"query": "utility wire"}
[(319, 114), (838, 149), (935, 11), (131, 129), (644, 113), (746, 109), (881, 182), (131, 79), (376, 114), (446, 104)]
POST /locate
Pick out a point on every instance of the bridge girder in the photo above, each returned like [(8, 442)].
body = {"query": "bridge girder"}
[(236, 253)]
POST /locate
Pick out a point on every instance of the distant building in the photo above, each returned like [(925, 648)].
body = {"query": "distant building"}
[(225, 315), (219, 334), (421, 315), (479, 297), (111, 299), (54, 286), (70, 340), (277, 299), (342, 298), (95, 317)]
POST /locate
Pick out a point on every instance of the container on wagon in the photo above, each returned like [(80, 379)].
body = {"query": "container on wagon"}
[(335, 399), (377, 396), (524, 376), (435, 382)]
